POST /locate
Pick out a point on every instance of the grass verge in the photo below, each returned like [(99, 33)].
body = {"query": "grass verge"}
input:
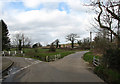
[(109, 75), (89, 57), (40, 54)]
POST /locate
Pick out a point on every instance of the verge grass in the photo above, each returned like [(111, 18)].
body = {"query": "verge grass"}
[(89, 57), (109, 75), (39, 53)]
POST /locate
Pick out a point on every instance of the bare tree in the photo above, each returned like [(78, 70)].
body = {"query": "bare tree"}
[(57, 42), (72, 37), (21, 39), (79, 42), (109, 10)]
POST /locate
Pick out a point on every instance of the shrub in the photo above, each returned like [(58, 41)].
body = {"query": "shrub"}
[(109, 75), (101, 44), (52, 48), (111, 59)]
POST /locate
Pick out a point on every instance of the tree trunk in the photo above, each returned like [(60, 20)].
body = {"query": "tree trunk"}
[(111, 36), (57, 45), (72, 44), (20, 48)]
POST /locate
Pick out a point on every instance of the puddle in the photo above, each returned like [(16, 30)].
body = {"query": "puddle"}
[(7, 76)]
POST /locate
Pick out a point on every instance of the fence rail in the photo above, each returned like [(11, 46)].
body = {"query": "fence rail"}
[(53, 58), (10, 53), (96, 61)]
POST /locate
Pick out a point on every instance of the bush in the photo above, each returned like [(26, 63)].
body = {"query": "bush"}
[(109, 75), (101, 44), (111, 59), (52, 48)]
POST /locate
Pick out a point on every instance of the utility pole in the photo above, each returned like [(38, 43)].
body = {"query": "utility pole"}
[(90, 36), (90, 40)]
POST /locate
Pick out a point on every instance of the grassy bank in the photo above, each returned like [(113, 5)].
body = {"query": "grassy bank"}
[(109, 75), (89, 57), (39, 53)]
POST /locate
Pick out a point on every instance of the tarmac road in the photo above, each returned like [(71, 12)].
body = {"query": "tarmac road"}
[(71, 68)]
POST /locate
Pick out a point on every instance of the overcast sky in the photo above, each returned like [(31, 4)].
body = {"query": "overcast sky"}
[(46, 20)]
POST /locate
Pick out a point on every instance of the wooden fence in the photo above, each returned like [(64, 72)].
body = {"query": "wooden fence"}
[(96, 62), (53, 58), (10, 53)]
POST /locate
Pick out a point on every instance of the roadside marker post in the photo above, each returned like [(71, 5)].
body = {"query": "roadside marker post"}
[(47, 58)]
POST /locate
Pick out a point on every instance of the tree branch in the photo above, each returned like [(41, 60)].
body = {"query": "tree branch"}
[(113, 14), (103, 26)]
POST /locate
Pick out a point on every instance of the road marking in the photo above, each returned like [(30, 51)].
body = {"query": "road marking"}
[(28, 59), (33, 63)]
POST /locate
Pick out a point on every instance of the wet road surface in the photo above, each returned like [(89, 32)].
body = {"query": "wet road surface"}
[(71, 68)]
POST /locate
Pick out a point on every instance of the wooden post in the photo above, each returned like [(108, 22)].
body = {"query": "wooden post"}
[(60, 55), (55, 57), (21, 52), (47, 58), (15, 52), (9, 53), (3, 53)]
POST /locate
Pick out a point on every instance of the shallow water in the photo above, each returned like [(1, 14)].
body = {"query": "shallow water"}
[(7, 76)]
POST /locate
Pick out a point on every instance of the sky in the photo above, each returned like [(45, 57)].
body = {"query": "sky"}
[(47, 20)]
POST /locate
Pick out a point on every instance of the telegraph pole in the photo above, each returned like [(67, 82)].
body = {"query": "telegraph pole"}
[(90, 36), (90, 40)]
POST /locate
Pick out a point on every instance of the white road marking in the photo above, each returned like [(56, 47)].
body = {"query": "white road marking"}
[(28, 59), (33, 63)]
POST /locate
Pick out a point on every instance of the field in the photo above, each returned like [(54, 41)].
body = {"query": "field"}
[(40, 54)]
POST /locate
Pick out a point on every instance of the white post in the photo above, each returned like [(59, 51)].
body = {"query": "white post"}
[(93, 60), (46, 58), (3, 53), (21, 52), (9, 53), (55, 57), (15, 52)]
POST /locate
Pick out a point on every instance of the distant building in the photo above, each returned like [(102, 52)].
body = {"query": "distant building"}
[(69, 45)]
